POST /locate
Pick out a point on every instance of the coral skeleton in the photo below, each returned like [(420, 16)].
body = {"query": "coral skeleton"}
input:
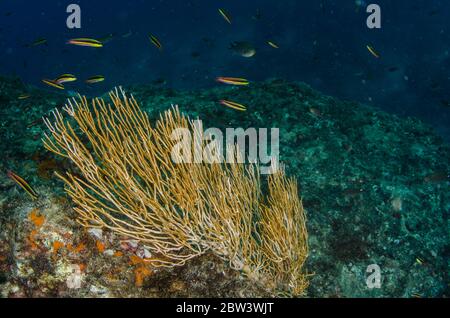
[(124, 179)]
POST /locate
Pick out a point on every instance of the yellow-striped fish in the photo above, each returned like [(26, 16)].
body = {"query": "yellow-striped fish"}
[(372, 51), (233, 105), (232, 80), (155, 41), (23, 96), (272, 44), (23, 184), (95, 79), (225, 15), (85, 42), (38, 42), (65, 78), (53, 83)]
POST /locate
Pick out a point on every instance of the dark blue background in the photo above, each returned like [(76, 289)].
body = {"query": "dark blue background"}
[(322, 43)]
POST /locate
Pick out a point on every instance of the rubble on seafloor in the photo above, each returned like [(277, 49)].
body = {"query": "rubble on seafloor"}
[(375, 188), (45, 253)]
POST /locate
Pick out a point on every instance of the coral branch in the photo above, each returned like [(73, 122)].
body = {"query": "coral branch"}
[(128, 183)]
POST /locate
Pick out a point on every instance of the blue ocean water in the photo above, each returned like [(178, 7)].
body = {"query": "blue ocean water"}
[(322, 43)]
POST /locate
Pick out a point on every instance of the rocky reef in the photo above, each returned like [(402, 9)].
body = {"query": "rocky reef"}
[(375, 188)]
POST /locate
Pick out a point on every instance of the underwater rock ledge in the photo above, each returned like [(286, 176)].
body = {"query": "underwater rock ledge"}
[(375, 188)]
